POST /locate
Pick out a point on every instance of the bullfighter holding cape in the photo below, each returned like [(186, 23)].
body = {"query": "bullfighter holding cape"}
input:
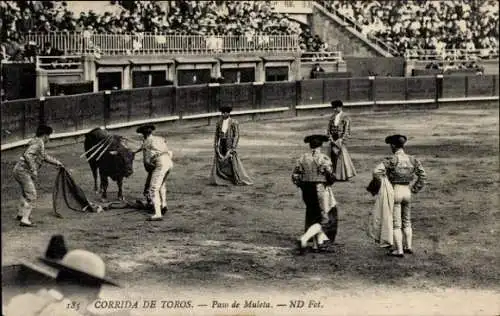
[(26, 172), (339, 130), (392, 211), (227, 168), (313, 174)]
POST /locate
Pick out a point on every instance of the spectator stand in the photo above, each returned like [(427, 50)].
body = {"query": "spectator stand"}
[(130, 29), (358, 29), (149, 27), (292, 6), (297, 10), (436, 25)]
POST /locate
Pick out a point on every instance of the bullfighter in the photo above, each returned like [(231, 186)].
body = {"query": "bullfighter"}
[(227, 168), (26, 172), (159, 158), (339, 130), (400, 170), (313, 174)]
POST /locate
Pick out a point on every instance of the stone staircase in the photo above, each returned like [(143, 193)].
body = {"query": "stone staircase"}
[(344, 35)]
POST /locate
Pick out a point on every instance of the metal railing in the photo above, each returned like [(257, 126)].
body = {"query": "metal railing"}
[(292, 7), (51, 62), (355, 25), (452, 54), (155, 44), (292, 4), (321, 57), (58, 62), (24, 61)]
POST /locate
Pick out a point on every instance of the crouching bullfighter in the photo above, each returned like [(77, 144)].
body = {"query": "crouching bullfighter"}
[(159, 161)]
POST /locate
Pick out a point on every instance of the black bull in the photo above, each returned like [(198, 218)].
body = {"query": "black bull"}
[(116, 162)]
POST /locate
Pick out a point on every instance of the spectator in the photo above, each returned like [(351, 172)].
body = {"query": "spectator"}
[(50, 51), (316, 69), (428, 25), (214, 18)]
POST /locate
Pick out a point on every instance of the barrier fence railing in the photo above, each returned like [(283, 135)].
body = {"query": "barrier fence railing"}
[(58, 62), (154, 44), (326, 56), (451, 55), (73, 113)]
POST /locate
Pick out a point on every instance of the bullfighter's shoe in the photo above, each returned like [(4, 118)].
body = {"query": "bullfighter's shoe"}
[(408, 251), (26, 224), (395, 254), (155, 218), (164, 210)]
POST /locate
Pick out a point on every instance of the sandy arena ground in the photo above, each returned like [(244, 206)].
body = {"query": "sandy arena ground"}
[(236, 243)]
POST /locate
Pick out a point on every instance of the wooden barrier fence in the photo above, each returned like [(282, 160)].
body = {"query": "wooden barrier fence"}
[(75, 114)]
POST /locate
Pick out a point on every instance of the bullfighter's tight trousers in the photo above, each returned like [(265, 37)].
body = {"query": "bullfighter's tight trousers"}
[(28, 197), (158, 186), (402, 217)]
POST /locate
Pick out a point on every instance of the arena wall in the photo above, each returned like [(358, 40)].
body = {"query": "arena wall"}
[(375, 66), (417, 67), (491, 67), (74, 115)]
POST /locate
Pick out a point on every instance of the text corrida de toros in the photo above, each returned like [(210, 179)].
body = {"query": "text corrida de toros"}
[(131, 304)]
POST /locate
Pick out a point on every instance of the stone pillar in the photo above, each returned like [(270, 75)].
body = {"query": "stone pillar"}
[(294, 73), (175, 78), (260, 72), (215, 71), (42, 83), (126, 77), (341, 66), (171, 73), (89, 70), (409, 66)]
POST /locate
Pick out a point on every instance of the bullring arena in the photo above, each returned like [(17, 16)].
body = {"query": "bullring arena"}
[(218, 245)]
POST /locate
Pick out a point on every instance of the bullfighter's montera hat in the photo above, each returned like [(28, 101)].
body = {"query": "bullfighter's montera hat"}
[(337, 104), (145, 129), (316, 140), (44, 130), (226, 109), (398, 140)]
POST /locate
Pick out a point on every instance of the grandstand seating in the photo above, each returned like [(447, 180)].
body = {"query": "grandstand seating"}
[(414, 28), (151, 27), (148, 27)]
